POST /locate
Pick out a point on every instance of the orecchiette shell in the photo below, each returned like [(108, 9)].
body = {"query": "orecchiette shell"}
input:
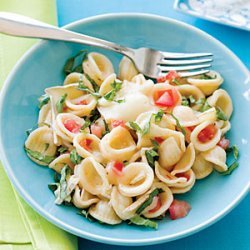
[(94, 147), (62, 131), (120, 203), (73, 77), (207, 86), (60, 162), (217, 156), (208, 145), (201, 167), (208, 115), (186, 116), (137, 179), (92, 176), (166, 198), (45, 116), (106, 85), (118, 145), (98, 67), (220, 98), (104, 212), (186, 161), (83, 199), (41, 140), (127, 69), (169, 153)]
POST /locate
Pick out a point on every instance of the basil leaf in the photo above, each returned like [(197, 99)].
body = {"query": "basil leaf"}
[(206, 77), (220, 114), (53, 186), (86, 124), (82, 87), (60, 103), (116, 86), (146, 128), (140, 221), (43, 100), (69, 65), (62, 193), (120, 101), (62, 149), (175, 81), (178, 125), (184, 101), (74, 157), (110, 95), (235, 150), (94, 115), (231, 168), (159, 115), (38, 156), (93, 83), (191, 99), (106, 127), (151, 156), (78, 69), (149, 200), (135, 127), (155, 144), (205, 107)]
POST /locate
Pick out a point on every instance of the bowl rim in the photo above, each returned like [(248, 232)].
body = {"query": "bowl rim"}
[(93, 236)]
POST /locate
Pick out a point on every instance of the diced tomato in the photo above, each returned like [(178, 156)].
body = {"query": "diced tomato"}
[(166, 98), (159, 140), (116, 123), (179, 209), (161, 79), (72, 125), (185, 175), (96, 130), (171, 75), (86, 144), (191, 128), (224, 143), (207, 133), (158, 205), (82, 102), (118, 167)]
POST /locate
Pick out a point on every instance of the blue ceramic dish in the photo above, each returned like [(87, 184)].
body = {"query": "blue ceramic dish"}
[(41, 67), (234, 13)]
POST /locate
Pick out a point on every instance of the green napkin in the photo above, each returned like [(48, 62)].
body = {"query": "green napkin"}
[(20, 226)]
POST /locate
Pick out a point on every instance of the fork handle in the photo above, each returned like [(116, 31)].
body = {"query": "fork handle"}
[(18, 25)]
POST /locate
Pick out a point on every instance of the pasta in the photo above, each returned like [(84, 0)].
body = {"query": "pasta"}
[(123, 146)]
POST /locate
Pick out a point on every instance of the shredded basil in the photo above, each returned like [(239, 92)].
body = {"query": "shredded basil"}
[(152, 156), (83, 87), (120, 101), (231, 168), (158, 116), (93, 83), (62, 149), (69, 65), (140, 221), (149, 200), (235, 151), (60, 103), (86, 124), (43, 100), (204, 106), (184, 101), (135, 127), (116, 86), (106, 127), (206, 77), (94, 115), (75, 157), (178, 125), (175, 81), (155, 144), (53, 186), (220, 114), (38, 156), (188, 101)]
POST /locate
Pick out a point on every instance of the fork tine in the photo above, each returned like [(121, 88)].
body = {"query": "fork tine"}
[(184, 62), (170, 55), (183, 68), (190, 73), (193, 73)]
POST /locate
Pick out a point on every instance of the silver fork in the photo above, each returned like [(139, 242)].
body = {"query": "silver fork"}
[(150, 62)]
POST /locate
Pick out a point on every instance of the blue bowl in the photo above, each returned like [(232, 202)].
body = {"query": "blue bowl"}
[(42, 67)]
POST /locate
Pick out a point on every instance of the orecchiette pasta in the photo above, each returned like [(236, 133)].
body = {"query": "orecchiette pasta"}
[(123, 146)]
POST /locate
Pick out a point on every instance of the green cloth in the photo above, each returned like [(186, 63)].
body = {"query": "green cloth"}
[(21, 228)]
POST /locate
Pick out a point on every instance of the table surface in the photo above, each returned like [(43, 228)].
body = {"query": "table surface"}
[(233, 231)]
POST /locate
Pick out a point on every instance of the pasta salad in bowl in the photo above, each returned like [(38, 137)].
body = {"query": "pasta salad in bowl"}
[(151, 160), (124, 145)]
